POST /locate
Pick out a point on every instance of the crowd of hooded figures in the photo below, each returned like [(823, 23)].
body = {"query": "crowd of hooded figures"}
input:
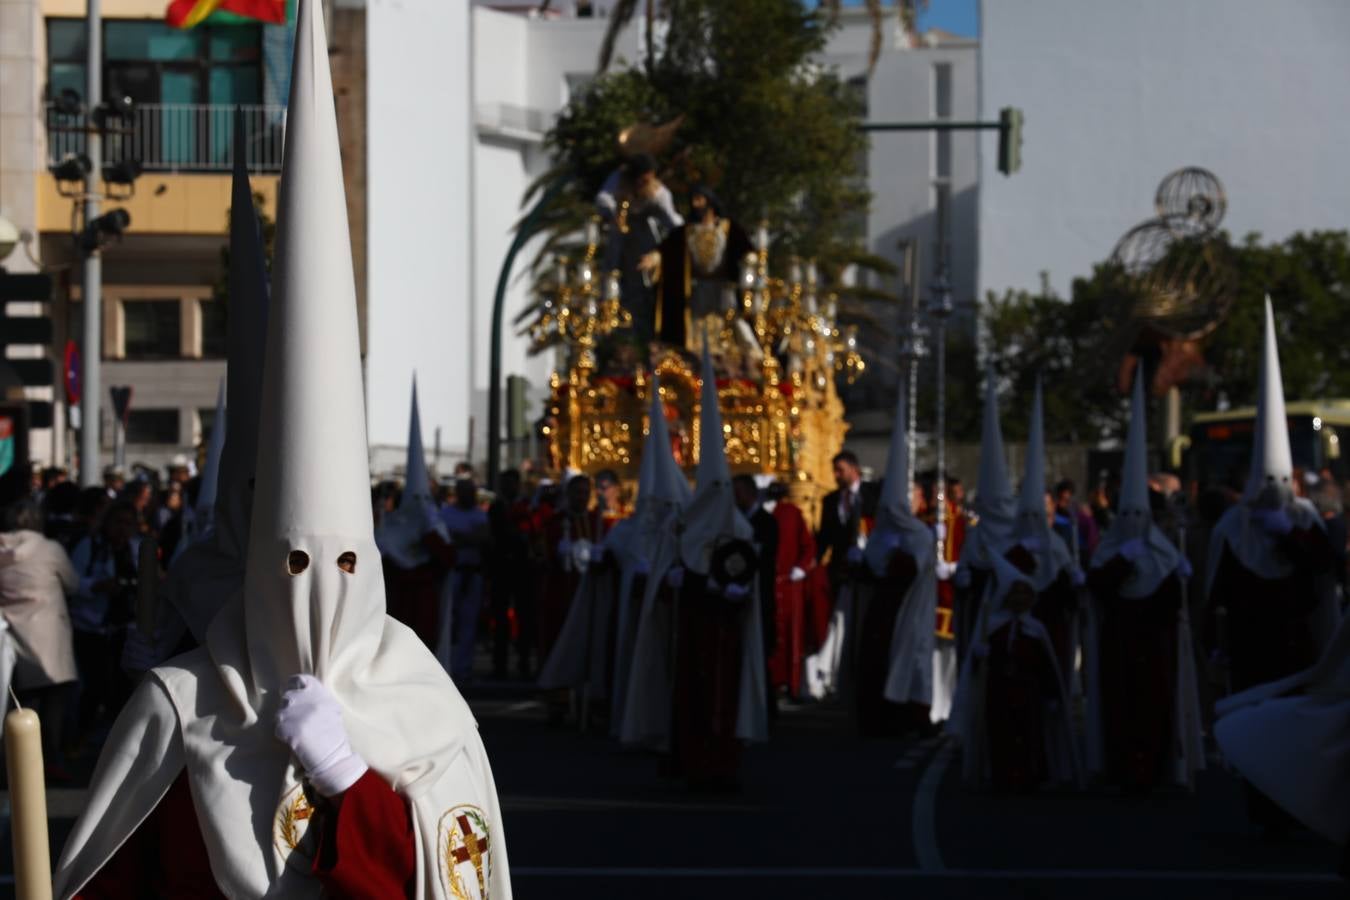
[(1064, 662)]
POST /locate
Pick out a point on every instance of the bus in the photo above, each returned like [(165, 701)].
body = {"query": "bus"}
[(1218, 449)]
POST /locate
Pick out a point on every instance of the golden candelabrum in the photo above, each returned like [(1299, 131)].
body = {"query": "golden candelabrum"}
[(777, 348)]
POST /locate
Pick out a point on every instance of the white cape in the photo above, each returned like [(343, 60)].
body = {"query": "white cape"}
[(1296, 749)]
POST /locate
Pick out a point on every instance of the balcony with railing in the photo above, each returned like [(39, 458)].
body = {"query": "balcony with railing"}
[(176, 137)]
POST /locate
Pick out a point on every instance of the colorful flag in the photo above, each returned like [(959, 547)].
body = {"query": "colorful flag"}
[(190, 13)]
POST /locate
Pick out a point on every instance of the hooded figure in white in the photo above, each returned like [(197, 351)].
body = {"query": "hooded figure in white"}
[(1148, 586), (662, 492), (995, 510), (211, 570), (912, 622), (1056, 576), (1272, 535), (303, 679), (399, 535), (711, 519), (1008, 630), (653, 549), (1294, 749)]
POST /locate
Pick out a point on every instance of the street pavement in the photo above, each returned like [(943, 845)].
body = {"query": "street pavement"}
[(824, 814)]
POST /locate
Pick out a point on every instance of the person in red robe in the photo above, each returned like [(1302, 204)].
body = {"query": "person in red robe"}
[(720, 697), (564, 535), (795, 562)]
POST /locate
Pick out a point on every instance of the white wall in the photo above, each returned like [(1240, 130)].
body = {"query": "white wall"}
[(1117, 95), (419, 241)]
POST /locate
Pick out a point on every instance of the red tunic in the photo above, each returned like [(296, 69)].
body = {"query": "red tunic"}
[(559, 583), (1138, 669), (1021, 679), (413, 595), (707, 683), (365, 850), (796, 549)]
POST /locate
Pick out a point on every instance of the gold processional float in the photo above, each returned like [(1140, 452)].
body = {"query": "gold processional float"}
[(776, 349)]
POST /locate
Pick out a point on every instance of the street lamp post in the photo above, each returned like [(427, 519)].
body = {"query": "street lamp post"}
[(93, 265), (940, 308)]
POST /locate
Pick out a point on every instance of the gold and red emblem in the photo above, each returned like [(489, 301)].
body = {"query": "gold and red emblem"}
[(466, 853)]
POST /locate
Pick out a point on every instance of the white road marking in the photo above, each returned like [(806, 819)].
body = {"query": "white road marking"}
[(923, 822)]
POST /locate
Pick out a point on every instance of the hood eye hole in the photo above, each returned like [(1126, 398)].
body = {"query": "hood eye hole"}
[(297, 562), (347, 562)]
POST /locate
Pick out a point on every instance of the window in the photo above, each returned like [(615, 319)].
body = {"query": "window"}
[(152, 426), (213, 319), (185, 84), (153, 63), (151, 329)]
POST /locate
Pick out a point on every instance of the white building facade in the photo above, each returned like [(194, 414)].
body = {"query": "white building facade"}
[(1116, 96)]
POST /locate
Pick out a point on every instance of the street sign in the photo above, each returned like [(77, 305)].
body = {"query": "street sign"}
[(71, 370), (1009, 140)]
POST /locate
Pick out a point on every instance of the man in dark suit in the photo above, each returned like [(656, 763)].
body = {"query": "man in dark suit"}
[(845, 513)]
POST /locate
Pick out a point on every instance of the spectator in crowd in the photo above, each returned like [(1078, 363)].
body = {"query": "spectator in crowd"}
[(35, 576), (103, 604)]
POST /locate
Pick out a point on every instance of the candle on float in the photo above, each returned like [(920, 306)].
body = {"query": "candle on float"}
[(28, 806)]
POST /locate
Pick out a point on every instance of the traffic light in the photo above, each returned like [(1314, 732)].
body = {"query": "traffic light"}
[(19, 330), (1009, 139)]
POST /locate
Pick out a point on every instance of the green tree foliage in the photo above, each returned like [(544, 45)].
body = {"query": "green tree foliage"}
[(773, 133), (1307, 277)]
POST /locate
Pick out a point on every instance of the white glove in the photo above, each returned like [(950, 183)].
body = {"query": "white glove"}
[(736, 591), (941, 530), (675, 577), (310, 723), (945, 570), (797, 574), (1274, 521), (855, 556), (1132, 549), (1031, 543), (962, 577)]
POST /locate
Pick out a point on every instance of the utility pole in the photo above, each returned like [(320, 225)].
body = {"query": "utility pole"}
[(92, 357)]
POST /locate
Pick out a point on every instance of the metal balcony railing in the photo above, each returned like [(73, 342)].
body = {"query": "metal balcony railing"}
[(176, 137)]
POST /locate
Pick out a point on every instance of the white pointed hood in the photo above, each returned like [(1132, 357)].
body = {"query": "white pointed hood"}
[(300, 612), (994, 504), (1134, 515), (1032, 527), (1270, 482), (662, 488), (896, 527), (712, 515), (399, 535)]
